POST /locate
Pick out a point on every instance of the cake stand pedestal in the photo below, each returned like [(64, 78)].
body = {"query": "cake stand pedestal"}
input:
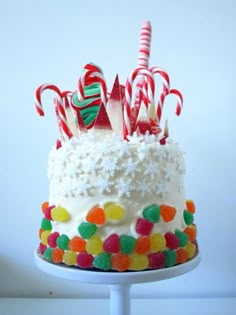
[(119, 283)]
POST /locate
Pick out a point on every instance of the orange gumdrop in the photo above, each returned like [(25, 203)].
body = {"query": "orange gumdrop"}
[(190, 206), (191, 231), (44, 206), (96, 215), (57, 255), (142, 245), (77, 244), (120, 262), (182, 256), (167, 212)]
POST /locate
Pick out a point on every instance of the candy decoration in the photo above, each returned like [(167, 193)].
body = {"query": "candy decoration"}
[(69, 258), (182, 256), (112, 244), (102, 261), (120, 262), (47, 212), (44, 237), (60, 214), (84, 260), (170, 258), (172, 241), (77, 244), (52, 239), (158, 242), (62, 241), (96, 215), (44, 206), (46, 224), (142, 245), (191, 231), (138, 262), (42, 248), (87, 229), (48, 253), (102, 120), (145, 43), (94, 245), (190, 206), (114, 211), (143, 226), (152, 213), (57, 255), (188, 217), (191, 250), (156, 260), (127, 243), (183, 238), (167, 212)]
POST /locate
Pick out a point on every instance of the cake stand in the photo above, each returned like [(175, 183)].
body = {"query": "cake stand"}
[(119, 283)]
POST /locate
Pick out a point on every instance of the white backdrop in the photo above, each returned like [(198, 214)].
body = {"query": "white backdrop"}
[(50, 41)]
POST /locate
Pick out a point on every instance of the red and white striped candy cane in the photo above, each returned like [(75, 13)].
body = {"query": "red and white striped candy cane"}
[(59, 107), (179, 101)]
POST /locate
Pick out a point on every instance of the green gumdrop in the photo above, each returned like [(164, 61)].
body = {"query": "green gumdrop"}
[(127, 244), (170, 258), (102, 261), (87, 229), (48, 253), (188, 217), (62, 241), (152, 213), (46, 224), (183, 238)]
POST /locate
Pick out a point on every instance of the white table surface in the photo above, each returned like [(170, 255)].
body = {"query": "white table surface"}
[(197, 306)]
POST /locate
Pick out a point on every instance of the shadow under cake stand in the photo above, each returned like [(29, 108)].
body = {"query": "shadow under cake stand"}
[(119, 282)]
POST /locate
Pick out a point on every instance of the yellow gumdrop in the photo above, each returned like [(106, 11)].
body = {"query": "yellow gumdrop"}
[(60, 214), (138, 262), (94, 245), (69, 258), (44, 237), (158, 242), (114, 211), (190, 249)]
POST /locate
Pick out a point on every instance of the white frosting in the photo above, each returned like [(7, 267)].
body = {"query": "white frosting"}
[(101, 167)]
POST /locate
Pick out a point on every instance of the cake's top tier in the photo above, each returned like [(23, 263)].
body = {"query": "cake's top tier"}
[(130, 109)]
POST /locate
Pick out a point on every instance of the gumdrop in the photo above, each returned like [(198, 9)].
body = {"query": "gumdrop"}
[(62, 241), (52, 238), (44, 206), (102, 261), (143, 226), (60, 214), (77, 244), (191, 231), (152, 213), (190, 206), (172, 241), (87, 229), (142, 245), (183, 238), (42, 248), (167, 213), (190, 249), (46, 224), (48, 253), (69, 258), (94, 245), (182, 256), (112, 244), (188, 217), (138, 262), (96, 215), (44, 237), (170, 258), (114, 211), (120, 262), (57, 255), (156, 260), (158, 242), (127, 243), (47, 212), (84, 260)]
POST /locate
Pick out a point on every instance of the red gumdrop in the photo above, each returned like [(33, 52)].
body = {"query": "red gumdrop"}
[(156, 260), (52, 238), (112, 244), (42, 248), (47, 212), (84, 260), (144, 226), (172, 241)]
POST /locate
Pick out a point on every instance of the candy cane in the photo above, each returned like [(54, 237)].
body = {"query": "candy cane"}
[(179, 101), (59, 107)]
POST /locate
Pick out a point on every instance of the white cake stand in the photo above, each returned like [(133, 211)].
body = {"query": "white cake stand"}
[(120, 283)]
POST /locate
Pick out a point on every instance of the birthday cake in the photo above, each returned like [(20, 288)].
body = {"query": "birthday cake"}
[(116, 179)]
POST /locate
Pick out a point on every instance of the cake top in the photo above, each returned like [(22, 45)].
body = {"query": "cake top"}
[(127, 110)]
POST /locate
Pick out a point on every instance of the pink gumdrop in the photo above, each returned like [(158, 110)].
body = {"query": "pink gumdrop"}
[(52, 238), (112, 244), (172, 241), (156, 260), (42, 248), (47, 212), (144, 226), (84, 260)]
